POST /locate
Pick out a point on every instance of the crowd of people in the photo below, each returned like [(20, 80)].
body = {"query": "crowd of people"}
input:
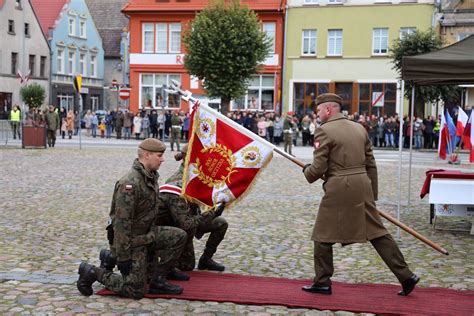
[(174, 125)]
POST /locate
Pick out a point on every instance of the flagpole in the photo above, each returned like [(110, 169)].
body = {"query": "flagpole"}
[(186, 95)]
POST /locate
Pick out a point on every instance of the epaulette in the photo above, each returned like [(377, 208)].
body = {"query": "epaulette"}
[(168, 188)]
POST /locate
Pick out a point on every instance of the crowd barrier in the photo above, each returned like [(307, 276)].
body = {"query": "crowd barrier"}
[(5, 132)]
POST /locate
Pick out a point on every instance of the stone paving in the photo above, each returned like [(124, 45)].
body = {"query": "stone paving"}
[(54, 205)]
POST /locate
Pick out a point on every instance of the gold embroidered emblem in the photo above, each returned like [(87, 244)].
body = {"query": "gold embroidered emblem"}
[(217, 167), (207, 128), (251, 156)]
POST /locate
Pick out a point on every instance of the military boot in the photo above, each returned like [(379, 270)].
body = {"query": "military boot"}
[(107, 260), (176, 274), (206, 263), (159, 285), (88, 274)]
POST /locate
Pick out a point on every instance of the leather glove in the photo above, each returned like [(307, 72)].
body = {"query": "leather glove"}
[(125, 267), (306, 166), (219, 209)]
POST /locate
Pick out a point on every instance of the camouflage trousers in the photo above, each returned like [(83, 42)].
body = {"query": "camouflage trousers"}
[(288, 142), (163, 253), (217, 229), (175, 136)]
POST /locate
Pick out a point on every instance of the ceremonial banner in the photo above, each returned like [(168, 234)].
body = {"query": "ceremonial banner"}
[(222, 159)]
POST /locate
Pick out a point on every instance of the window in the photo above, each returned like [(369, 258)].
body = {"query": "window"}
[(166, 37), (43, 66), (66, 101), (152, 94), (270, 29), (309, 42), (93, 66), (14, 63), (344, 89), (462, 36), (260, 94), (11, 27), (82, 29), (147, 38), (370, 95), (380, 41), (18, 4), (27, 29), (71, 26), (60, 61), (334, 42), (72, 62), (304, 96), (95, 102), (404, 31), (31, 64), (82, 64), (175, 37), (311, 2)]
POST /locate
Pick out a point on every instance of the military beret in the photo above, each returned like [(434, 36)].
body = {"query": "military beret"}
[(152, 145), (328, 97)]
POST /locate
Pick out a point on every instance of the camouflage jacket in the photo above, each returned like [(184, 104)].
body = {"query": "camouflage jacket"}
[(133, 210), (174, 210)]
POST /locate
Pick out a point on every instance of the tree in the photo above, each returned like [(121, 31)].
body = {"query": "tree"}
[(33, 95), (417, 43), (225, 46)]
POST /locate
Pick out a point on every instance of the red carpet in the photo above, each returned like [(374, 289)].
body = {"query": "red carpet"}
[(366, 298)]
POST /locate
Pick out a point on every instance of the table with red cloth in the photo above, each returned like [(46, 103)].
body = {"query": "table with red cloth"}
[(443, 174)]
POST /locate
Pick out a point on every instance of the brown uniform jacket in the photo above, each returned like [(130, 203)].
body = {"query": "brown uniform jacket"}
[(343, 158)]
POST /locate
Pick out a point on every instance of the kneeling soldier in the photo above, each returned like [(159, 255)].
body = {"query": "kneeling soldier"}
[(176, 211), (135, 237)]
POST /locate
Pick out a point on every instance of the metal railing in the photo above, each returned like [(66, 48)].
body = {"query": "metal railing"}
[(5, 132)]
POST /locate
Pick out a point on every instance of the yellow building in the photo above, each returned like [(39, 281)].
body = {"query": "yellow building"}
[(342, 46)]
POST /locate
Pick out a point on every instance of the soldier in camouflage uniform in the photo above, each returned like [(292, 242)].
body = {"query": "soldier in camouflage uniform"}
[(288, 132), (136, 239), (175, 131), (176, 211)]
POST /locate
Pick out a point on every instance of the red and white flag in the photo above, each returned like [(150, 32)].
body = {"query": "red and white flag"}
[(468, 137), (27, 77), (223, 159), (461, 124), (443, 138), (20, 76)]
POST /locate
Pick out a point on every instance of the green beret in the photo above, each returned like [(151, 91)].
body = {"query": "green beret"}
[(328, 97), (152, 145)]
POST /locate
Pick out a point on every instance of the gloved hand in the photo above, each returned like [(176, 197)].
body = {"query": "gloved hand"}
[(306, 166), (219, 209), (125, 267)]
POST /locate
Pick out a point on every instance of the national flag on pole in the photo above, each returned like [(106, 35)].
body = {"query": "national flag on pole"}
[(468, 137), (27, 77), (447, 135), (223, 159), (20, 76), (461, 124)]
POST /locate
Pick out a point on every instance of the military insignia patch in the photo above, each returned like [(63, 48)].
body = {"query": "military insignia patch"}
[(128, 188), (317, 144)]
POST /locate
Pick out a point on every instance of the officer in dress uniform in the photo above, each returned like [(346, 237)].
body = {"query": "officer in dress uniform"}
[(134, 237), (347, 214), (177, 211)]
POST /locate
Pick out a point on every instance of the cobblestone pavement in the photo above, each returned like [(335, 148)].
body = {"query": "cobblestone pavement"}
[(54, 205)]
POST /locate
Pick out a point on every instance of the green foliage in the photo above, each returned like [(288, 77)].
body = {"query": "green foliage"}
[(33, 95), (225, 46), (417, 43)]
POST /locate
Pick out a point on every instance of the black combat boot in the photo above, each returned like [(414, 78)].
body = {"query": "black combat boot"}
[(159, 285), (107, 260), (176, 274), (206, 263), (88, 274)]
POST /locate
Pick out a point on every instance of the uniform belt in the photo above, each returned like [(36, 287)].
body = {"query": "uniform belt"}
[(176, 126), (348, 171)]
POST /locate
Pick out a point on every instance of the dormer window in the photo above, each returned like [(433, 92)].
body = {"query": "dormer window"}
[(71, 26), (18, 4)]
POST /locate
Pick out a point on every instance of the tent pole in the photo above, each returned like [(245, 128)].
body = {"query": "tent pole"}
[(412, 110), (400, 153)]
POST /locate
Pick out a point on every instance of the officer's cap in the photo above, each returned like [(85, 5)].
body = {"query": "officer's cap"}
[(328, 97), (152, 145)]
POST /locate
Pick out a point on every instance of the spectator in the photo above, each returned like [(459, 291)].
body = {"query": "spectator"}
[(137, 126), (88, 122), (94, 124)]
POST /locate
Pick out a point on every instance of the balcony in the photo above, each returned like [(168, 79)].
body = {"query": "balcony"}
[(86, 81)]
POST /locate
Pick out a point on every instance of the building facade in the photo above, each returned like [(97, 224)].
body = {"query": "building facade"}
[(112, 25), (456, 22), (24, 48), (157, 53), (76, 48), (342, 46)]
